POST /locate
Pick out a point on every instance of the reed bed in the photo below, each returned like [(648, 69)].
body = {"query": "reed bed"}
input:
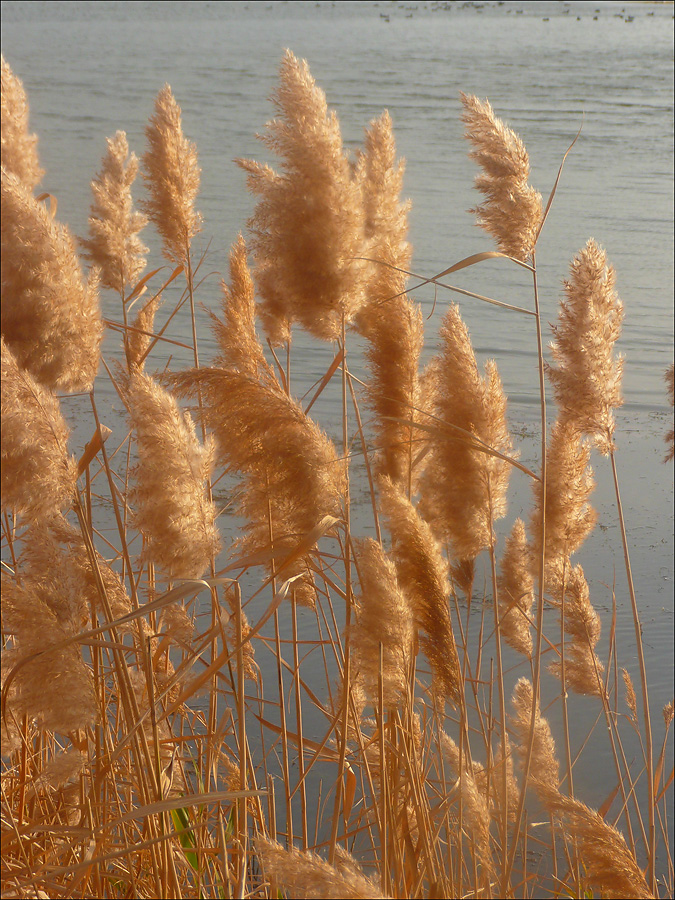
[(301, 710)]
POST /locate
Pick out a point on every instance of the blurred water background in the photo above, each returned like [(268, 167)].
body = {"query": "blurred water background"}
[(548, 68)]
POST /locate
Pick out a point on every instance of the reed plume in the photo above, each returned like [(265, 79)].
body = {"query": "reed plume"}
[(463, 488), (587, 380), (172, 507), (138, 338), (383, 618), (172, 176), (670, 437), (19, 148), (389, 320), (52, 687), (114, 245), (38, 475), (516, 590), (569, 483), (239, 345), (50, 316), (472, 786), (512, 210), (583, 669), (423, 575), (314, 278), (293, 476), (608, 863), (544, 769), (308, 876)]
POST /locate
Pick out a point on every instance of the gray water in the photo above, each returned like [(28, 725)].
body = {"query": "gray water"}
[(548, 69)]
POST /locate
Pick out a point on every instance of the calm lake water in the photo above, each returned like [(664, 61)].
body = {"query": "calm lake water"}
[(547, 68)]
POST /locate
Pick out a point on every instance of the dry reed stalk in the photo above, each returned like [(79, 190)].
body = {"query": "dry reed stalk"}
[(306, 875), (114, 245), (670, 437), (516, 590), (569, 516), (314, 278), (38, 475), (463, 489), (172, 176), (50, 314), (54, 688), (423, 575), (583, 669), (512, 211), (389, 320), (383, 617), (587, 380), (19, 148), (293, 476), (172, 506)]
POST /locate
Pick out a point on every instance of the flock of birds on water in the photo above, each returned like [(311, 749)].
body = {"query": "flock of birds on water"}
[(438, 6)]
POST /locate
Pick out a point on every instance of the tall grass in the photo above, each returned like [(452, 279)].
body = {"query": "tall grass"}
[(302, 710)]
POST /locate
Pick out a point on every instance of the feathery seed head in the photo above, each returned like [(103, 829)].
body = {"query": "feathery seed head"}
[(423, 575), (544, 768), (308, 225), (19, 149), (172, 507), (114, 245), (516, 590), (38, 475), (587, 379), (463, 488), (50, 315), (383, 617), (172, 175), (512, 211)]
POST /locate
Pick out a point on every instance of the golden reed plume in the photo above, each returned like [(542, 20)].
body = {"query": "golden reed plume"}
[(512, 209), (19, 148), (172, 176), (315, 278), (114, 245), (38, 475), (50, 317), (463, 488), (587, 379), (172, 507)]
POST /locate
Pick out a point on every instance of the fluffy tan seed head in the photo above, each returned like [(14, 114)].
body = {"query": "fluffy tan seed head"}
[(240, 347), (383, 618), (423, 576), (306, 875), (114, 245), (292, 475), (587, 379), (463, 489), (313, 278), (516, 590), (512, 210), (172, 507), (608, 863), (172, 175), (50, 315), (544, 768), (569, 483), (38, 475), (19, 148)]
